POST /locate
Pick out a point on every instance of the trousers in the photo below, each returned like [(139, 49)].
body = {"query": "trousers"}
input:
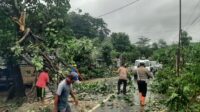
[(120, 82)]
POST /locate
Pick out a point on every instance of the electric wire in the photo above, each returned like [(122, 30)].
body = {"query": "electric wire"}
[(194, 10), (120, 8), (195, 19)]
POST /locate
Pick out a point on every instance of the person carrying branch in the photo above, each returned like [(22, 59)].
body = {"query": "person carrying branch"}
[(61, 103), (123, 76), (143, 74)]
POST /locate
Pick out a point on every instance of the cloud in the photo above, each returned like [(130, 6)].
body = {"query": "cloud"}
[(154, 19)]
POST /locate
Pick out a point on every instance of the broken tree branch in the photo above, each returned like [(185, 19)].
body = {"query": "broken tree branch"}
[(28, 30), (26, 59), (36, 37), (55, 68)]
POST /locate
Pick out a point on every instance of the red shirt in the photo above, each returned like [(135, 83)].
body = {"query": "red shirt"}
[(42, 80)]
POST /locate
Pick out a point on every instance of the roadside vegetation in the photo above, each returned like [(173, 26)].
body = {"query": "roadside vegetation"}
[(181, 92)]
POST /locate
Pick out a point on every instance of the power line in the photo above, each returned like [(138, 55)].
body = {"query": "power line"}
[(194, 10), (120, 8), (198, 21), (195, 19), (192, 23)]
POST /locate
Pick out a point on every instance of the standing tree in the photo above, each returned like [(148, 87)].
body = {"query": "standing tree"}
[(185, 38), (143, 42), (144, 47), (120, 42), (106, 54), (12, 11), (185, 42), (154, 46), (88, 26), (132, 54), (162, 43), (39, 17)]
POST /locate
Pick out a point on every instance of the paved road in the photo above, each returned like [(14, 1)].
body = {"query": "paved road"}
[(120, 103)]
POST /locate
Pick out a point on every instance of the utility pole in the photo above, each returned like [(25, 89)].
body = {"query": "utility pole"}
[(179, 41)]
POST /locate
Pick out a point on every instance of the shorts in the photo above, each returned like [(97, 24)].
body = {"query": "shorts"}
[(142, 86), (40, 92)]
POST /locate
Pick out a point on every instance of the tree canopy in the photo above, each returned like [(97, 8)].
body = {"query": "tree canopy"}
[(120, 42), (88, 26)]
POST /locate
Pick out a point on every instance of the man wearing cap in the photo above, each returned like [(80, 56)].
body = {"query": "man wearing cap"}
[(61, 98)]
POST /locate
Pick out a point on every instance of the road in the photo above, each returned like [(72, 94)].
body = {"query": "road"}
[(125, 103)]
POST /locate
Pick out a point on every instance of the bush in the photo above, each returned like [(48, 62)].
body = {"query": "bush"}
[(96, 72)]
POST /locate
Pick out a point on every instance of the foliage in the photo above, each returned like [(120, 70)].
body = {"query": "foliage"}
[(163, 80), (185, 39), (181, 91), (144, 47), (123, 49), (86, 25), (38, 62), (162, 43), (169, 53), (120, 42), (50, 20), (131, 55), (96, 72), (94, 88), (7, 36), (106, 54), (78, 50), (143, 42), (155, 46), (47, 18)]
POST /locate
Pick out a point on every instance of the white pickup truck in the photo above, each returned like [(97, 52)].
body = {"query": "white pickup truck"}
[(146, 62)]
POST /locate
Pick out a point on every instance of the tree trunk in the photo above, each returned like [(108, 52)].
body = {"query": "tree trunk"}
[(19, 85), (18, 89)]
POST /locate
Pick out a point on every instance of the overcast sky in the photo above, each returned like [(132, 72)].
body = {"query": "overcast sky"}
[(154, 19)]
